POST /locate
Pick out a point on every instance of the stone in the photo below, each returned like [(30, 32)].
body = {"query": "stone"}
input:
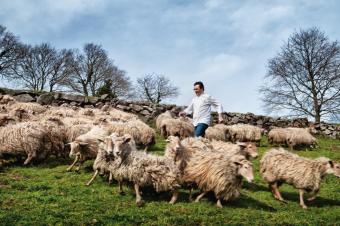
[(72, 98), (148, 108), (145, 112), (93, 100), (104, 96), (24, 98), (46, 99), (136, 107)]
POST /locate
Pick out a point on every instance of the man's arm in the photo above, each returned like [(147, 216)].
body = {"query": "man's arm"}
[(188, 110), (215, 103)]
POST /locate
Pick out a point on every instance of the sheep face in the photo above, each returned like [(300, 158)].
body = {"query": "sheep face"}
[(249, 148), (333, 168), (121, 145), (75, 147), (244, 168), (107, 144), (174, 144)]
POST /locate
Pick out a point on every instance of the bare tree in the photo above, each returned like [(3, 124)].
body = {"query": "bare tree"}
[(304, 78), (119, 86), (10, 51), (40, 66), (155, 88), (61, 69), (91, 69)]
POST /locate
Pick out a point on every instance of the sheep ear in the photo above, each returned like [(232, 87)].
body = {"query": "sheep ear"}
[(83, 143), (100, 140), (237, 163), (126, 140), (242, 145), (331, 163)]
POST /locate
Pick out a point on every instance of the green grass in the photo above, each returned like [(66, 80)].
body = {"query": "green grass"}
[(47, 195)]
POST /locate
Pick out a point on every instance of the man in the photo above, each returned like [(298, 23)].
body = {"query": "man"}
[(200, 106)]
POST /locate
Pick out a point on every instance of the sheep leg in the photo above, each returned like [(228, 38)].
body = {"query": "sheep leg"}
[(74, 162), (29, 158), (80, 163), (219, 203), (190, 194), (302, 203), (313, 196), (139, 200), (92, 179), (276, 192), (121, 192), (198, 198), (146, 149), (174, 197), (110, 178)]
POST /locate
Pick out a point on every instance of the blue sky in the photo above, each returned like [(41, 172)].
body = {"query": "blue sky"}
[(225, 44)]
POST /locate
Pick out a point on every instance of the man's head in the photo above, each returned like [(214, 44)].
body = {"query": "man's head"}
[(198, 88)]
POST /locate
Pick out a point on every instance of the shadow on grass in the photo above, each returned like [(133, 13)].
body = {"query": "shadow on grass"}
[(254, 187), (318, 202), (244, 202)]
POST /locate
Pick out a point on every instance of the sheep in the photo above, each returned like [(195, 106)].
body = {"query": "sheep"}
[(5, 99), (248, 150), (145, 169), (121, 115), (244, 133), (279, 166), (218, 132), (62, 112), (185, 151), (212, 171), (161, 117), (27, 138), (6, 119), (176, 127), (291, 137), (278, 136), (142, 134), (85, 146), (73, 131), (102, 162), (300, 137), (31, 108)]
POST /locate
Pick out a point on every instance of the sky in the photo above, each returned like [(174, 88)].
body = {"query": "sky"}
[(226, 44)]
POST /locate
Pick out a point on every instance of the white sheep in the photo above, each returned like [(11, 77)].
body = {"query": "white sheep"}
[(218, 132), (213, 171), (161, 117), (249, 150), (27, 138), (245, 133), (103, 160), (279, 166), (145, 169), (142, 134), (85, 146), (176, 127), (291, 137)]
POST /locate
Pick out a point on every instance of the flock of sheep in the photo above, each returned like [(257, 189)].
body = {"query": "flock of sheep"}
[(118, 143)]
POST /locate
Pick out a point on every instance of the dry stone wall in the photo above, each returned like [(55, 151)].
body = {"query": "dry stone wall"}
[(149, 111)]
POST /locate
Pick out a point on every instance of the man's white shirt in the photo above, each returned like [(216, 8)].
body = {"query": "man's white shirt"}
[(200, 106)]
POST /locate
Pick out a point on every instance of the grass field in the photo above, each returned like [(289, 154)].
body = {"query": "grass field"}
[(47, 195)]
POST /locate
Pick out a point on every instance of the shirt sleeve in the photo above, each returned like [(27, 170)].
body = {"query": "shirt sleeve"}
[(190, 108), (215, 103)]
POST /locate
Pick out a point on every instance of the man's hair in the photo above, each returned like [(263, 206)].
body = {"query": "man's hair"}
[(200, 84)]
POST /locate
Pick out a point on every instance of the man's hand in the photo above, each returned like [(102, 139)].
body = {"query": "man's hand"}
[(182, 113), (220, 118)]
